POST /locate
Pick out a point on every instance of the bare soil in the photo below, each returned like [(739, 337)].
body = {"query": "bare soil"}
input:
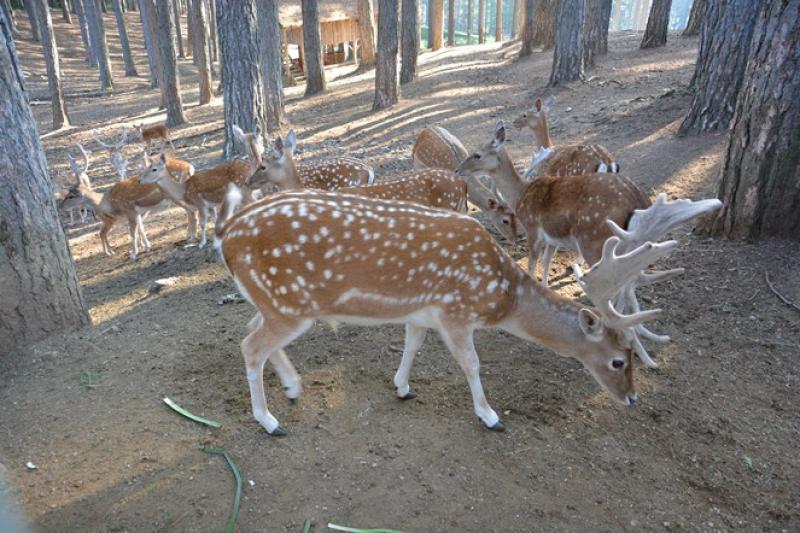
[(711, 445)]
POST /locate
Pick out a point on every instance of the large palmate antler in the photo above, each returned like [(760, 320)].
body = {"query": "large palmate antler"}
[(616, 275), (118, 159)]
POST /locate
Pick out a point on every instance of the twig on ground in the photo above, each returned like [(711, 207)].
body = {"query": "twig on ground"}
[(783, 298)]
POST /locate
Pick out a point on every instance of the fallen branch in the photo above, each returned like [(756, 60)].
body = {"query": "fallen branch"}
[(783, 298)]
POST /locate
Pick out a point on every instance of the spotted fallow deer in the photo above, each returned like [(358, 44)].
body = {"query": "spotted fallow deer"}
[(118, 159), (205, 191), (436, 147), (157, 132), (564, 160), (304, 256), (179, 169), (126, 199)]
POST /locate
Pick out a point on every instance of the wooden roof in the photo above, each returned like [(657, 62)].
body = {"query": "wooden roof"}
[(290, 13)]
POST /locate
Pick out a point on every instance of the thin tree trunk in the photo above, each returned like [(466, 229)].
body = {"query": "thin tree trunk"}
[(65, 14), (101, 4), (189, 29), (176, 13), (695, 18), (171, 83), (130, 66), (213, 38), (85, 36), (451, 22), (30, 8), (760, 185), (239, 57), (498, 29), (657, 24), (568, 53), (436, 30), (470, 6), (595, 30), (312, 47), (481, 21), (410, 41), (528, 28), (721, 63), (40, 294), (150, 44), (545, 23), (366, 26), (516, 17), (97, 35), (5, 7), (269, 33), (386, 75), (60, 118), (201, 56)]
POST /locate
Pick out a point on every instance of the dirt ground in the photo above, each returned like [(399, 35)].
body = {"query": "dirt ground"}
[(712, 444)]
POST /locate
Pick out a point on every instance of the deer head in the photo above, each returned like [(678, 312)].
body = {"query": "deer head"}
[(277, 165), (488, 158), (535, 118), (253, 142)]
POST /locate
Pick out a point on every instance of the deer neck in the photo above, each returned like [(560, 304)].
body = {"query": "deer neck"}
[(93, 199), (508, 180), (546, 318), (175, 190), (543, 134), (291, 177)]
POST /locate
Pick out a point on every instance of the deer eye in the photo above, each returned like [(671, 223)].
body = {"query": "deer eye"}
[(476, 156), (617, 363)]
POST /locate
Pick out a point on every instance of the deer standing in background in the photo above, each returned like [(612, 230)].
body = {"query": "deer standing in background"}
[(179, 169), (205, 191), (151, 134), (436, 147), (299, 257), (566, 160), (118, 159)]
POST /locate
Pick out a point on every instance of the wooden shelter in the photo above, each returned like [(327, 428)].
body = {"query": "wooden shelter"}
[(338, 28)]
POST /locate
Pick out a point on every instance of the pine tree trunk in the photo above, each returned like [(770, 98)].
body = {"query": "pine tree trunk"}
[(85, 37), (528, 26), (269, 33), (130, 66), (65, 14), (617, 17), (657, 24), (201, 56), (189, 27), (695, 18), (176, 15), (366, 26), (498, 28), (101, 4), (760, 185), (595, 30), (481, 21), (312, 48), (213, 37), (5, 7), (410, 41), (97, 36), (40, 294), (239, 57), (171, 83), (147, 14), (30, 8), (516, 19), (724, 47), (470, 6), (60, 118), (568, 53), (544, 26), (451, 22), (436, 30), (386, 75)]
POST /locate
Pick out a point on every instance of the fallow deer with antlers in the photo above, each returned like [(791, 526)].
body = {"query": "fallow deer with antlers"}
[(436, 147), (299, 257), (563, 160)]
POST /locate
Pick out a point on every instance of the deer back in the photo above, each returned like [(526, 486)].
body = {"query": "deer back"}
[(575, 208), (316, 254), (435, 147), (576, 160), (335, 173), (210, 185), (129, 194), (432, 187), (158, 131)]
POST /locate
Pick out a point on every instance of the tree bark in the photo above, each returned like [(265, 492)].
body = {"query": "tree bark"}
[(176, 15), (30, 8), (147, 14), (595, 30), (85, 36), (241, 80), (366, 26), (544, 26), (386, 76), (436, 29), (201, 56), (724, 46), (470, 6), (451, 22), (271, 62), (213, 37), (65, 14), (97, 36), (568, 53), (101, 5), (695, 18), (40, 294), (410, 41), (312, 48), (170, 81), (498, 28), (5, 7), (760, 185), (528, 27), (657, 24), (481, 21), (516, 19), (130, 66), (45, 22)]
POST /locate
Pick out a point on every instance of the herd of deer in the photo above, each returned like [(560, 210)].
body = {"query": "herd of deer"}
[(332, 245)]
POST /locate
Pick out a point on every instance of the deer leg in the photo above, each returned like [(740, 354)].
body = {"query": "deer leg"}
[(104, 229), (142, 235), (549, 252), (133, 229), (203, 223), (289, 377), (460, 344), (191, 224), (415, 335), (263, 342), (535, 249)]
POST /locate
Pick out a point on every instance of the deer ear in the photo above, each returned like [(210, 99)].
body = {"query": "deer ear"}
[(591, 324), (291, 141), (492, 203), (278, 147), (499, 135), (537, 105)]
